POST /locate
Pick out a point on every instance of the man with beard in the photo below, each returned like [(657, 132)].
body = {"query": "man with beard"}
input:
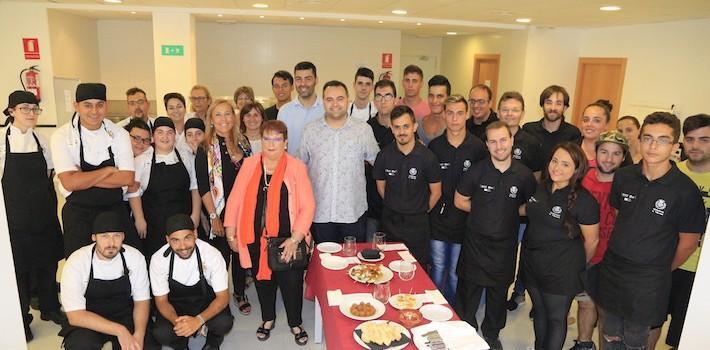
[(105, 291), (304, 109), (611, 148), (191, 290), (552, 129), (480, 101), (409, 182), (492, 193), (282, 86), (138, 107), (335, 149), (434, 124), (362, 108)]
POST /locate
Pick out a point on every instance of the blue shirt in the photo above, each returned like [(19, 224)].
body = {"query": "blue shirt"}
[(295, 115)]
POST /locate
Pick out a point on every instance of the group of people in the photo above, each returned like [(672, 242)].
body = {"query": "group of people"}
[(603, 214)]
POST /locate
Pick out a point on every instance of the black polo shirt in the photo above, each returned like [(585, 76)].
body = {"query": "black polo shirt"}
[(271, 113), (566, 132), (652, 213), (480, 130), (408, 177), (383, 136), (527, 148), (447, 221)]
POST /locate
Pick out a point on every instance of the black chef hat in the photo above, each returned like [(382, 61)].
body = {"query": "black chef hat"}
[(163, 121), (90, 91), (18, 97), (195, 123), (108, 221), (178, 222)]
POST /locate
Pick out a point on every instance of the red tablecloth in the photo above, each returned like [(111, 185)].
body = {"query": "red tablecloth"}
[(338, 328)]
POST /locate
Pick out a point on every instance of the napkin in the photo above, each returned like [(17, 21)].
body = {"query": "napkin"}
[(392, 246), (435, 297), (335, 297), (457, 335), (350, 260), (407, 256)]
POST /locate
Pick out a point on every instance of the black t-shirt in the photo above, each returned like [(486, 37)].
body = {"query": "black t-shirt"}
[(527, 148), (566, 132), (271, 112), (407, 177), (383, 136), (652, 213), (480, 130), (447, 221), (229, 170)]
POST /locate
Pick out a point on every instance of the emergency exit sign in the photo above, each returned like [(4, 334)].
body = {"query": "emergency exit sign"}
[(172, 50)]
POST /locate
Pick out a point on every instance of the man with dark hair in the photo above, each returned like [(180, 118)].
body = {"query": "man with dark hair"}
[(304, 109), (335, 149), (492, 192), (660, 218), (282, 86), (409, 182), (480, 101), (138, 107), (434, 124), (412, 83), (552, 129), (457, 150), (361, 107)]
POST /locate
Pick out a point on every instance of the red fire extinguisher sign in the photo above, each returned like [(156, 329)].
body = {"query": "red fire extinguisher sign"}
[(386, 60), (31, 48)]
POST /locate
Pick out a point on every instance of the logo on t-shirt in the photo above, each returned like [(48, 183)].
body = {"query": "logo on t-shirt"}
[(466, 164), (391, 172), (487, 188), (444, 166), (627, 197), (660, 207), (513, 192), (412, 173), (556, 212), (517, 153)]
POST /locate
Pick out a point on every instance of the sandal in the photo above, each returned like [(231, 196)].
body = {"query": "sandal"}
[(243, 304), (301, 338), (264, 332)]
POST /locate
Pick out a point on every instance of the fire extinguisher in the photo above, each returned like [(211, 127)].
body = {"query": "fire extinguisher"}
[(29, 77)]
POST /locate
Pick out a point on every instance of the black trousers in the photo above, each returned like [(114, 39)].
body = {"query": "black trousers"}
[(682, 285), (550, 318), (46, 288), (87, 339), (291, 285), (217, 327), (336, 232), (468, 297), (238, 272), (412, 230)]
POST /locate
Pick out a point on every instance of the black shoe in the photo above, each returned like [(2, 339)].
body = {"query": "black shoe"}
[(515, 301), (532, 314), (57, 317), (494, 344), (210, 347), (28, 333), (583, 345)]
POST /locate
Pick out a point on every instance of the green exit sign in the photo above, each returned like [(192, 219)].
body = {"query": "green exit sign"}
[(172, 50)]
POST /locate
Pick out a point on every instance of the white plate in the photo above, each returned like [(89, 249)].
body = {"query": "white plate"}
[(396, 305), (433, 312), (349, 301), (329, 247), (394, 265), (401, 329), (382, 256), (386, 275), (334, 263)]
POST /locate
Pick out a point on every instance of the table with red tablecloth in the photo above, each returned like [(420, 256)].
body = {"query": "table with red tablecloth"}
[(338, 328)]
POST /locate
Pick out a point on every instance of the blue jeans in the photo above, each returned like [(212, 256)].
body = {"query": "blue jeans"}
[(444, 257), (519, 287)]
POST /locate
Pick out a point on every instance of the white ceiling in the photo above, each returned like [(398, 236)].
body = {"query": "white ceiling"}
[(436, 16)]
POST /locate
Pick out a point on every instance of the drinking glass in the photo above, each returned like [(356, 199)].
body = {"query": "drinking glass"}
[(378, 240), (349, 246), (382, 292), (406, 270)]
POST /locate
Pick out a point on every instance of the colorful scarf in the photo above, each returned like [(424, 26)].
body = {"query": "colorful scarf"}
[(214, 169)]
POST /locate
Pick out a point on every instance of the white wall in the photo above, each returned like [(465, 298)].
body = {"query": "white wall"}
[(75, 49), (126, 57), (229, 56)]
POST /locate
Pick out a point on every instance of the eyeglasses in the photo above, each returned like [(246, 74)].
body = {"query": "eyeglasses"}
[(139, 139), (386, 97), (272, 139), (27, 110), (661, 141), (137, 102), (477, 102), (198, 98)]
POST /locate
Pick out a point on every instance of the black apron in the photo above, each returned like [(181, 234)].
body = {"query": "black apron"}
[(83, 205), (189, 300), (487, 262), (168, 193), (110, 299), (31, 205)]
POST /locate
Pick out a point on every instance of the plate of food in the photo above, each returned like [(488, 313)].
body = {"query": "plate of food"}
[(329, 247), (381, 335), (370, 273), (371, 255), (362, 308), (405, 301)]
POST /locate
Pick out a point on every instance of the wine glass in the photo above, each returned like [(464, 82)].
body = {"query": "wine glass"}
[(406, 270), (349, 246), (382, 292), (378, 240)]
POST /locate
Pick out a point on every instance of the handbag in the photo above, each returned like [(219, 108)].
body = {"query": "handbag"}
[(274, 252)]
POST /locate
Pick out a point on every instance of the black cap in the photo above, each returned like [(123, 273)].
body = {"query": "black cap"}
[(163, 121), (178, 222), (195, 123), (18, 97), (90, 91), (108, 221)]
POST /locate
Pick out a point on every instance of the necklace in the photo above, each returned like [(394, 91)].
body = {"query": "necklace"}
[(266, 181)]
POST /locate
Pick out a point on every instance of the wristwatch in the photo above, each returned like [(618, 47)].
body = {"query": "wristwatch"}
[(213, 216)]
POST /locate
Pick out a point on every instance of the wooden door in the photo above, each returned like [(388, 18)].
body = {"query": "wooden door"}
[(485, 71), (598, 78)]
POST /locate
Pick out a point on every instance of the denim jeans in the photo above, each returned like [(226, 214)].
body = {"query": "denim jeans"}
[(444, 257), (632, 336)]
